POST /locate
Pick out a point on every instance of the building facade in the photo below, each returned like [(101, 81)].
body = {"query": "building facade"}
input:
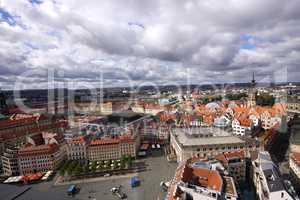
[(39, 158), (241, 127), (269, 120), (200, 183), (294, 163), (9, 160), (113, 148), (235, 164), (15, 129), (267, 180), (77, 148)]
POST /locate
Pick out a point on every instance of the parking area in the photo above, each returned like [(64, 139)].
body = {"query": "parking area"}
[(158, 169)]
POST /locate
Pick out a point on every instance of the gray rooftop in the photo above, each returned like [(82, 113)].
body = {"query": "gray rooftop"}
[(273, 180), (270, 172), (205, 136)]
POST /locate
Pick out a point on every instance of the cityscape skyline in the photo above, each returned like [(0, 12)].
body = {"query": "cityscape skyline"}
[(150, 100)]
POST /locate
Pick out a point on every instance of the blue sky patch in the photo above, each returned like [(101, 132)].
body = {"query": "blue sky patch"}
[(35, 1), (7, 17), (247, 42)]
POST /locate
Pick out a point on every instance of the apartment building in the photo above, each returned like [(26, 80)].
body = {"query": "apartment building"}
[(294, 162), (99, 108), (267, 180), (39, 158), (293, 105), (235, 164), (269, 119), (15, 129), (208, 142), (9, 160), (153, 109), (241, 126), (113, 148), (200, 183), (77, 148)]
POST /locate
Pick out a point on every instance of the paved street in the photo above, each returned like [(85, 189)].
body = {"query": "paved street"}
[(158, 169)]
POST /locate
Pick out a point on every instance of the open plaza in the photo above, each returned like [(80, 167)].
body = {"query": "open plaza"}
[(158, 169)]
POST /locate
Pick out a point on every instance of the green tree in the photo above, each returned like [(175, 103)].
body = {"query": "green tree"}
[(129, 161), (238, 96), (62, 172), (71, 167), (94, 166), (86, 168), (265, 99)]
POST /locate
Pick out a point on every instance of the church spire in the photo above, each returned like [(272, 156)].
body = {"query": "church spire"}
[(251, 94), (253, 82)]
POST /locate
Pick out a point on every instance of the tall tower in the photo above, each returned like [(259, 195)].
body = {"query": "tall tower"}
[(252, 92)]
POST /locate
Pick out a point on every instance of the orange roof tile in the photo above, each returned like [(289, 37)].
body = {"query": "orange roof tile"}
[(206, 178), (225, 157), (30, 150), (245, 121), (241, 110), (210, 179), (77, 140), (104, 142)]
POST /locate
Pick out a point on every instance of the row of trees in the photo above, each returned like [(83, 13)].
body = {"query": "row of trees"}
[(71, 168), (237, 96), (206, 100), (75, 167)]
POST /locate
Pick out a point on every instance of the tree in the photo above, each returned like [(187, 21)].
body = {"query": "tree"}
[(64, 168), (265, 99), (129, 161), (78, 169), (123, 163), (94, 166), (238, 96), (62, 172), (86, 168), (72, 166)]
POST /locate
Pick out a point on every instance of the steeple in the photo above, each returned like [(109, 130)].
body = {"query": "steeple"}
[(253, 82), (252, 91)]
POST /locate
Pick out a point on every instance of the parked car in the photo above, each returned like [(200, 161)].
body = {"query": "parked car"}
[(117, 191), (73, 189)]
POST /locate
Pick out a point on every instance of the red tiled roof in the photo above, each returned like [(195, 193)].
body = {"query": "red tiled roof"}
[(121, 139), (38, 150), (245, 121), (206, 178), (225, 157), (32, 177), (77, 140), (104, 142), (210, 179), (126, 139), (16, 122)]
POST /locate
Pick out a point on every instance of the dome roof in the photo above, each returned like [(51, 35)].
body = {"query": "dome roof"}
[(212, 105)]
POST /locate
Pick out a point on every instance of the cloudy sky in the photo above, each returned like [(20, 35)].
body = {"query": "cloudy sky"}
[(148, 42)]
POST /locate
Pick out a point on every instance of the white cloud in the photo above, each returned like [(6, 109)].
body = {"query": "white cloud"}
[(151, 40)]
